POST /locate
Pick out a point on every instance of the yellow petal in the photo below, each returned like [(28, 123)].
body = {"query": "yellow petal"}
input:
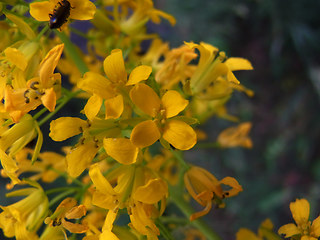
[(74, 227), (94, 83), (300, 211), (99, 181), (108, 223), (180, 135), (173, 103), (49, 99), (235, 64), (16, 57), (80, 158), (66, 127), (121, 149), (139, 74), (93, 106), (233, 183), (108, 235), (289, 230), (114, 67), (82, 9), (145, 98), (152, 192), (48, 64), (114, 107), (41, 10), (145, 134), (315, 227), (10, 166)]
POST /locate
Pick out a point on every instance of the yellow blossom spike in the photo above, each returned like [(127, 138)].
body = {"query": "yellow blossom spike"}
[(179, 134), (114, 107), (121, 149), (139, 74), (145, 98), (152, 192), (145, 134), (114, 67), (173, 103), (92, 107), (66, 127)]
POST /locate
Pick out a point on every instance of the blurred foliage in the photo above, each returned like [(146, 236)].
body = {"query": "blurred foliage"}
[(281, 39)]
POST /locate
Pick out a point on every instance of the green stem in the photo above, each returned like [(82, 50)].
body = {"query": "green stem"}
[(174, 220), (64, 102), (60, 196), (187, 210), (178, 156), (66, 176), (163, 230), (50, 191), (43, 31), (72, 52)]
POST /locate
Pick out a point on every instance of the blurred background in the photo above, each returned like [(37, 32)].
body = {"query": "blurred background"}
[(281, 39)]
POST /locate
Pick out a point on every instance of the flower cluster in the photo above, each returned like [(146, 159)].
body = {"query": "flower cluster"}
[(142, 110)]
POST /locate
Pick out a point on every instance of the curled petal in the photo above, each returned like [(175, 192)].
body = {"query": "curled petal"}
[(99, 181), (93, 106), (49, 99), (114, 107), (180, 135), (145, 134), (233, 183)]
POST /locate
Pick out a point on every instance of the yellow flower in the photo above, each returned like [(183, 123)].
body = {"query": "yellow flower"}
[(137, 189), (23, 218), (213, 77), (162, 123), (236, 136), (265, 231), (110, 88), (79, 10), (205, 189), (13, 140), (68, 209), (43, 89), (303, 228)]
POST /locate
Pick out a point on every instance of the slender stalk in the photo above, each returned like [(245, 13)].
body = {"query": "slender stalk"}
[(163, 230), (73, 53), (187, 210), (60, 196)]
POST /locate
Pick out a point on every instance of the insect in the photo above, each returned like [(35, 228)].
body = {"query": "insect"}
[(60, 14)]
